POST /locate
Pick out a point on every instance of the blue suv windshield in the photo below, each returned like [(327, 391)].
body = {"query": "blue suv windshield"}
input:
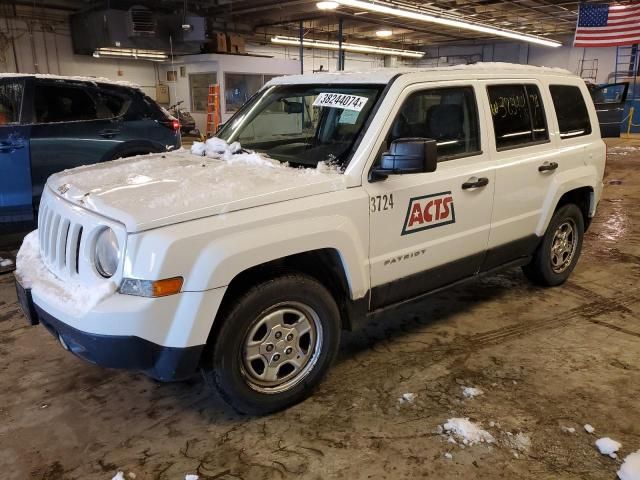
[(303, 124)]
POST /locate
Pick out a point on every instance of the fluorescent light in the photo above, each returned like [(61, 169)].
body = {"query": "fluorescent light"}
[(155, 55), (349, 47), (327, 5), (384, 33), (388, 9)]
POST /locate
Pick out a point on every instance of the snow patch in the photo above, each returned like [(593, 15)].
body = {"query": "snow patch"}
[(630, 469), (470, 392), (448, 455), (588, 428), (470, 433), (69, 296), (191, 476), (407, 398), (5, 262), (75, 78), (118, 476), (607, 446)]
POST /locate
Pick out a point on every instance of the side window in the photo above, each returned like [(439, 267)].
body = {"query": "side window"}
[(111, 105), (62, 103), (447, 115), (10, 101), (571, 111), (518, 115)]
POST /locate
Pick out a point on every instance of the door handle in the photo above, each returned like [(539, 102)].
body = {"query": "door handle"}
[(475, 182), (547, 167), (109, 133)]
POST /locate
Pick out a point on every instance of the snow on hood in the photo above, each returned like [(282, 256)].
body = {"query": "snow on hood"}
[(213, 178)]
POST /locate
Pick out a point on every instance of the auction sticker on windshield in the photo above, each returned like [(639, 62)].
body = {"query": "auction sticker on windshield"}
[(340, 100)]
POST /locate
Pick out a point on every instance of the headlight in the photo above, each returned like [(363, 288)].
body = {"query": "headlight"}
[(107, 255)]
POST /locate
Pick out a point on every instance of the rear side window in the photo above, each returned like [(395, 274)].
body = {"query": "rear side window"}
[(62, 103), (447, 115), (110, 105), (10, 101), (571, 111), (518, 115)]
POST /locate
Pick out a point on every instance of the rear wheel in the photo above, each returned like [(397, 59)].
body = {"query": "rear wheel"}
[(558, 253), (275, 344)]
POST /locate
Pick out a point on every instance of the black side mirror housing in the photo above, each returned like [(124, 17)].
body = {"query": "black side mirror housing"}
[(293, 107), (407, 155)]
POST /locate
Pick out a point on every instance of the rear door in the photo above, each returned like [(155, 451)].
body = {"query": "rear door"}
[(609, 102), (526, 163), (15, 170), (71, 128)]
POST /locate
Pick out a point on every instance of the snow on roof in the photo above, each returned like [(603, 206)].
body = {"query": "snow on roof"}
[(74, 78), (384, 75)]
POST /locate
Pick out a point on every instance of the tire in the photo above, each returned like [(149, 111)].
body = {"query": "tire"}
[(291, 316), (551, 267)]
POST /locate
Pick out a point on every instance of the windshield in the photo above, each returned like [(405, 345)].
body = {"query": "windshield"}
[(303, 124)]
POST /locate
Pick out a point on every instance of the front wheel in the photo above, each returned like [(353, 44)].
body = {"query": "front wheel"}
[(557, 254), (275, 344)]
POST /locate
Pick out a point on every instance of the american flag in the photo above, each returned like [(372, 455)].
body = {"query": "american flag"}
[(603, 25)]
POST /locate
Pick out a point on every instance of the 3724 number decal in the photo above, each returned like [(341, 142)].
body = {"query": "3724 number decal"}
[(381, 202)]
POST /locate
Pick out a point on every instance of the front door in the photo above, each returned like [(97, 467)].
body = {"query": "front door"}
[(609, 102), (15, 169), (431, 229), (71, 128)]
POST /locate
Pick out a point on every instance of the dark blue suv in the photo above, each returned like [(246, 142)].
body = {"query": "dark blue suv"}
[(48, 124)]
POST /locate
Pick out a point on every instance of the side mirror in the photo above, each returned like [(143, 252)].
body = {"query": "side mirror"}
[(407, 155), (293, 107)]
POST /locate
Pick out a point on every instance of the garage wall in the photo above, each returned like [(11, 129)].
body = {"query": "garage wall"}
[(46, 51), (179, 90)]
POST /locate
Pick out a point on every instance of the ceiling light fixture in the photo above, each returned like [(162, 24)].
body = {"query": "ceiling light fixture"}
[(389, 9), (134, 53), (327, 5), (384, 33), (348, 47)]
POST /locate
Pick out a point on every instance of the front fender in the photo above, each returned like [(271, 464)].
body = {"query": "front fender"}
[(210, 252), (222, 260), (563, 182)]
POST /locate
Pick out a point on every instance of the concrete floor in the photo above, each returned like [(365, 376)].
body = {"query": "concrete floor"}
[(545, 358)]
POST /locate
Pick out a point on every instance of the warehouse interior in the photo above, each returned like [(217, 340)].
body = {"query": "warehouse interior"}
[(492, 378)]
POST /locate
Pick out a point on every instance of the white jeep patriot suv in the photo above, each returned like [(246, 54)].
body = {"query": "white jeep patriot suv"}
[(326, 199)]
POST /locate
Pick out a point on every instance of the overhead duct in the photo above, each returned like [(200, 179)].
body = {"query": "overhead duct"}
[(135, 33)]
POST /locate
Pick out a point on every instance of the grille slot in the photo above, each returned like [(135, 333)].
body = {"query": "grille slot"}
[(60, 239)]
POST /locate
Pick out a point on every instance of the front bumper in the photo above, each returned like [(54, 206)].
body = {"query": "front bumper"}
[(131, 353), (124, 351)]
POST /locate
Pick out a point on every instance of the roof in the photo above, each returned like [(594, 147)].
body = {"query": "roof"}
[(74, 78), (384, 75)]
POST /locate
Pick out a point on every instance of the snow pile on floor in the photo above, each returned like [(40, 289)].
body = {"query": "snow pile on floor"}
[(118, 476), (466, 431), (407, 398), (588, 428), (69, 296), (470, 392), (519, 441), (5, 262), (607, 446), (191, 477), (630, 469)]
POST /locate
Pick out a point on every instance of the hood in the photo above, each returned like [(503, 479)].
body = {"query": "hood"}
[(151, 191)]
